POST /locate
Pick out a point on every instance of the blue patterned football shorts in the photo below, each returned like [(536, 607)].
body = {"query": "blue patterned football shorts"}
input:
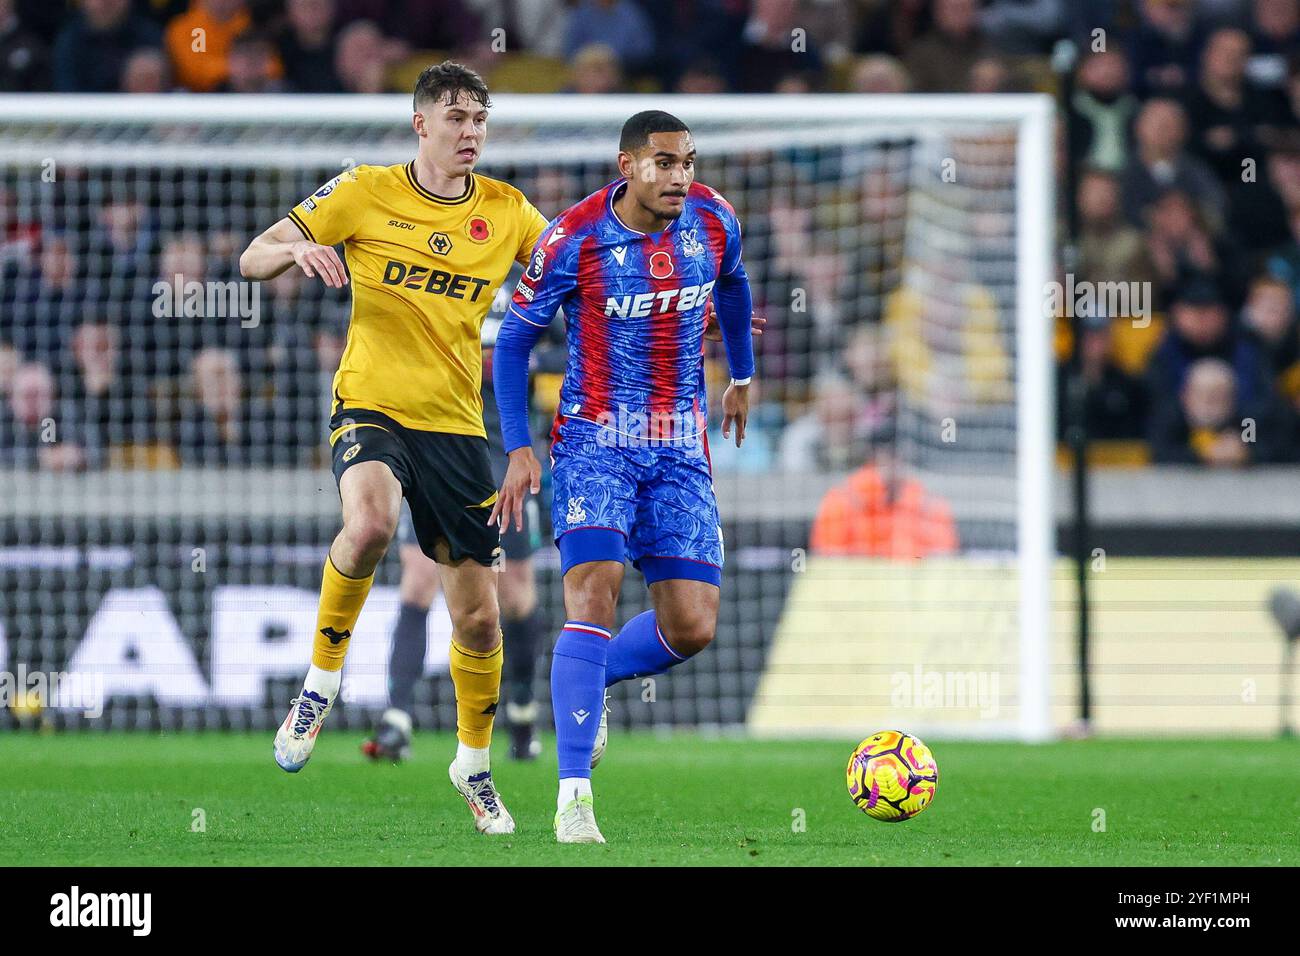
[(652, 503)]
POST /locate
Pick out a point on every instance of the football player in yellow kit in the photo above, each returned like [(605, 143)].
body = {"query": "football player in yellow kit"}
[(427, 243)]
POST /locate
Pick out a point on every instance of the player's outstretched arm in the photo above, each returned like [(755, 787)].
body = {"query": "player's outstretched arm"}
[(283, 246)]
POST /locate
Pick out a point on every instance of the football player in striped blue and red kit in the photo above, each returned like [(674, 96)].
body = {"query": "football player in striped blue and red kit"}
[(633, 266)]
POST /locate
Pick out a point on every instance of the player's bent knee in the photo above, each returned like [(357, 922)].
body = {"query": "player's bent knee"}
[(369, 531), (690, 636), (478, 627)]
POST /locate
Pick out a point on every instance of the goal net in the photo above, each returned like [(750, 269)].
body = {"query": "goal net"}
[(166, 496)]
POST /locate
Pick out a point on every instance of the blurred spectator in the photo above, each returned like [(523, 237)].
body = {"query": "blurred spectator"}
[(214, 425), (690, 31), (1024, 27), (183, 258), (1275, 38), (121, 240), (306, 46), (941, 60), (20, 235), (795, 344), (1160, 162), (159, 339), (537, 26), (1101, 111), (555, 189), (879, 73), (990, 74), (868, 363), (24, 59), (99, 397), (794, 83), (1202, 426), (1269, 319), (444, 25), (1261, 206), (1110, 249), (595, 69), (199, 42), (948, 350), (878, 512), (825, 24), (1229, 116), (1210, 423), (1115, 403), (832, 435), (702, 76), (1182, 248), (1164, 49), (361, 58), (46, 301), (891, 26), (92, 49), (146, 71), (31, 435), (877, 260), (1200, 328), (771, 49), (620, 25), (251, 65), (224, 247), (301, 387), (1284, 260)]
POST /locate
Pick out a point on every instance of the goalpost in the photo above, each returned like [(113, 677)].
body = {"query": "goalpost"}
[(900, 247)]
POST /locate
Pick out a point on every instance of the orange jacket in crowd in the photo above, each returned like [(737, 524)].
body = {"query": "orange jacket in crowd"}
[(857, 518), (204, 69)]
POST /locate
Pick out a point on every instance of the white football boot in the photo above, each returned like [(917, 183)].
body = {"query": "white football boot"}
[(602, 735), (490, 814), (297, 735), (576, 823)]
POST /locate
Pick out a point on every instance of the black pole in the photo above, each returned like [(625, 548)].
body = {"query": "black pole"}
[(1064, 58), (1284, 689)]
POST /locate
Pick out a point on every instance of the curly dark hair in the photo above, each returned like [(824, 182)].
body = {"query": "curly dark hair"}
[(449, 79)]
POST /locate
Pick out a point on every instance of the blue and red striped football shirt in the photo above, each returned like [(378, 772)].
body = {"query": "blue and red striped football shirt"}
[(634, 306)]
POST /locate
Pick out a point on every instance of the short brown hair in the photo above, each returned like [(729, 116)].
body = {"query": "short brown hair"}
[(449, 79)]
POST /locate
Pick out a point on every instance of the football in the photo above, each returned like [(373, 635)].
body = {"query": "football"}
[(892, 776)]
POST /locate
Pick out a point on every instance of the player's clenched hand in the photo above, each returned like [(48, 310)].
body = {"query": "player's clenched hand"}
[(735, 408), (313, 258), (523, 474)]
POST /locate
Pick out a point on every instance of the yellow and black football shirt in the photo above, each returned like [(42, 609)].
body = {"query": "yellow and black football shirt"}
[(423, 272)]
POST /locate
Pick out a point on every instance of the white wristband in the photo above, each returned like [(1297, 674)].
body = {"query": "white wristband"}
[(742, 381)]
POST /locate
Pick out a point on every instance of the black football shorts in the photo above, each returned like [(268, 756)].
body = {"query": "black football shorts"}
[(446, 478)]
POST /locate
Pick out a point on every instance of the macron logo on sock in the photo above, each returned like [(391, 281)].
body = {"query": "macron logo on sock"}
[(581, 715)]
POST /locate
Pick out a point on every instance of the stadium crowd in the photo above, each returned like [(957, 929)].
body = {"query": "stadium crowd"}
[(1184, 125)]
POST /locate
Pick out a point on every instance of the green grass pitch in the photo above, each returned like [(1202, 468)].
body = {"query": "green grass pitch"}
[(129, 799)]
